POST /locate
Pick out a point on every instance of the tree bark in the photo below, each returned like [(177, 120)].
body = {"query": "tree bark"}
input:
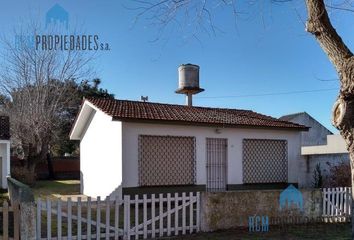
[(320, 26), (51, 175)]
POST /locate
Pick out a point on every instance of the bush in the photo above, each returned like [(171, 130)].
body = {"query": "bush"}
[(22, 174), (339, 175), (317, 177)]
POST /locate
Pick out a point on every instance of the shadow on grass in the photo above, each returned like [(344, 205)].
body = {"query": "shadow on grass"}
[(43, 189)]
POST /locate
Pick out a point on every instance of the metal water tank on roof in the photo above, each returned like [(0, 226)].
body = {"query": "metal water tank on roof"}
[(188, 76)]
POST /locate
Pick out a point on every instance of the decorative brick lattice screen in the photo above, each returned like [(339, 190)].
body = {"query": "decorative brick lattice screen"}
[(166, 160), (265, 161), (4, 128)]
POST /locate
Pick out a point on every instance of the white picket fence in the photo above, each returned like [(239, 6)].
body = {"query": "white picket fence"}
[(131, 218), (10, 218), (337, 204)]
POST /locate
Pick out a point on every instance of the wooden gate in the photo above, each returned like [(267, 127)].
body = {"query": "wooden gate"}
[(162, 215), (139, 217), (216, 164), (337, 204), (10, 221), (80, 219)]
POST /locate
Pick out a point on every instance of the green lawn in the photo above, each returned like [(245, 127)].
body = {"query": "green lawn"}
[(53, 189), (3, 195), (329, 231)]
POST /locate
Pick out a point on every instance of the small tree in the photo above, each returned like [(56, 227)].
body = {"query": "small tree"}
[(317, 176), (81, 90), (338, 175), (38, 88)]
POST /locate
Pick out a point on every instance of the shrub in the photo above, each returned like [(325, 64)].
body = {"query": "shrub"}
[(339, 175), (22, 174), (317, 177)]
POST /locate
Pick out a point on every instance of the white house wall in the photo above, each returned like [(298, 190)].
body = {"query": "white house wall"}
[(101, 156), (131, 131), (5, 161), (333, 152)]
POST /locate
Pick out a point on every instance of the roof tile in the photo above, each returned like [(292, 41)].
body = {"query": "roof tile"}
[(147, 111)]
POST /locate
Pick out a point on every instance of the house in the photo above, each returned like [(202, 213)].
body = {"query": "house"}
[(4, 150), (317, 133), (318, 146), (144, 146)]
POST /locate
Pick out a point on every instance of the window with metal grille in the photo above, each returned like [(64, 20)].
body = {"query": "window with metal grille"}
[(265, 161), (166, 160)]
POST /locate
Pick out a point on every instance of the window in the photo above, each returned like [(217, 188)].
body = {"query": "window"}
[(265, 161), (166, 160)]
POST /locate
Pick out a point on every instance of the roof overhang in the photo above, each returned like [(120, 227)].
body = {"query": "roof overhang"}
[(82, 120)]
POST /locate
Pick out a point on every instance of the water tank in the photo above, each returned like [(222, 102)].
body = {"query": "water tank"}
[(188, 76), (188, 79)]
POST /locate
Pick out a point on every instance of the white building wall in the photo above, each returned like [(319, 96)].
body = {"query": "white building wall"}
[(131, 131), (101, 156), (335, 145), (333, 152), (5, 161)]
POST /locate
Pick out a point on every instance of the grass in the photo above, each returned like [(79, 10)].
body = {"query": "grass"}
[(329, 231), (56, 188), (44, 189), (3, 195), (51, 189)]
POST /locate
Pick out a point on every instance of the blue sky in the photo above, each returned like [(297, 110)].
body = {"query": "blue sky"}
[(267, 51)]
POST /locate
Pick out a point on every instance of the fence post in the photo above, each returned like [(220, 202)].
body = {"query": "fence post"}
[(22, 194), (126, 230)]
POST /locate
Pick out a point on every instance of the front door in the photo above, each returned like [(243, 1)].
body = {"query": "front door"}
[(216, 154)]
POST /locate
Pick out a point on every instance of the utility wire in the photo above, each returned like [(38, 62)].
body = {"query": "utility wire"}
[(273, 94)]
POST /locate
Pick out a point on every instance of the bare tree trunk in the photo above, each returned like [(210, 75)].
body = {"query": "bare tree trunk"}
[(319, 25), (51, 175), (352, 174)]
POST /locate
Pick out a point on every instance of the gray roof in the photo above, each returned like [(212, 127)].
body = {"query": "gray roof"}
[(289, 117), (292, 116)]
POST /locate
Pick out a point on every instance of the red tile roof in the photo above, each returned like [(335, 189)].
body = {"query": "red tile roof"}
[(186, 115)]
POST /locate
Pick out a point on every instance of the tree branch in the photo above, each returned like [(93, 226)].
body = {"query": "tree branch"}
[(319, 25)]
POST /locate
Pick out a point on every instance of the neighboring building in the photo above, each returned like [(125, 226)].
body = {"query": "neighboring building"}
[(317, 134), (145, 147), (4, 150), (319, 146)]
